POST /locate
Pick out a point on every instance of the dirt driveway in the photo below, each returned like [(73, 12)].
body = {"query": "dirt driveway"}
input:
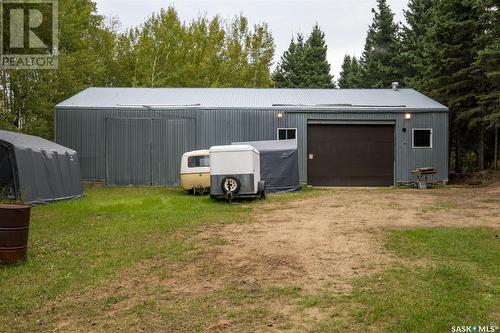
[(320, 240), (335, 235)]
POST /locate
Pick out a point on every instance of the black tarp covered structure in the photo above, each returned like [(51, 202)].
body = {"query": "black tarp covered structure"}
[(36, 171), (279, 164)]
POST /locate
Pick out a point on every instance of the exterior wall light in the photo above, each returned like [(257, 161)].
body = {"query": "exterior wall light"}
[(280, 115), (408, 116)]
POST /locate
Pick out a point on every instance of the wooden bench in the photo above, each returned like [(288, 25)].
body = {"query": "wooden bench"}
[(423, 175)]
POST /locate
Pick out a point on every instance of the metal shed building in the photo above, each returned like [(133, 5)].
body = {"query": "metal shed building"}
[(350, 137)]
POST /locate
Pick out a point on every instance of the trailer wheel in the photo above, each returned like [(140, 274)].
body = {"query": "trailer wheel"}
[(230, 184), (262, 188)]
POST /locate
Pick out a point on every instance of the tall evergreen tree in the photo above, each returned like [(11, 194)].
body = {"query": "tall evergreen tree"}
[(451, 47), (488, 58), (382, 45), (350, 75), (411, 60), (317, 68), (450, 51), (487, 114), (290, 71), (304, 64)]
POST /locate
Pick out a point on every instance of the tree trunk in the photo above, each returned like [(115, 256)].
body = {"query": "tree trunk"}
[(450, 140), (458, 151), (496, 144), (481, 147)]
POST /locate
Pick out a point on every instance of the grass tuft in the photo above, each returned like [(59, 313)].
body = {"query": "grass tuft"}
[(440, 207)]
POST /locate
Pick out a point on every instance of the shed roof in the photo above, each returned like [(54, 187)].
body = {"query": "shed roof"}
[(165, 98), (35, 143), (271, 145)]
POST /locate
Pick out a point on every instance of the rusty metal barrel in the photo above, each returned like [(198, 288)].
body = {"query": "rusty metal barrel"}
[(14, 229)]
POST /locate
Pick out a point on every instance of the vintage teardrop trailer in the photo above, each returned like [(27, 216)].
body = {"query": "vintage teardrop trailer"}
[(195, 171)]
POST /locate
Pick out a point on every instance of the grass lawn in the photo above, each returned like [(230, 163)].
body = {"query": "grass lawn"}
[(447, 275), (459, 284), (74, 245)]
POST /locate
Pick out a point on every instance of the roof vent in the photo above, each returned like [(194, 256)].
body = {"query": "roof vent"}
[(151, 106), (395, 86), (315, 105)]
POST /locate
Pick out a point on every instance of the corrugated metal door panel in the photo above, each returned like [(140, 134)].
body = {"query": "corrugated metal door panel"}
[(128, 151), (171, 139)]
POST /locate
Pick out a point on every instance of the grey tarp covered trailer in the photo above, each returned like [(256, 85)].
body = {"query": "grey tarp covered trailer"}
[(279, 164), (35, 170)]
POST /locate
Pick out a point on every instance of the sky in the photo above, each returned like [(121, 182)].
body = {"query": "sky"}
[(344, 22)]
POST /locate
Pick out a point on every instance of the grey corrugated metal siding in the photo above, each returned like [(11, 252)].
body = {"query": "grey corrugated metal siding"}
[(170, 139), (128, 146), (406, 157), (86, 130), (198, 128)]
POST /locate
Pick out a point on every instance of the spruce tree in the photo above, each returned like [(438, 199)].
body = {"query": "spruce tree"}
[(451, 47), (487, 114), (488, 59), (379, 62), (343, 81), (411, 60), (290, 70), (304, 64), (317, 71), (451, 52), (350, 76)]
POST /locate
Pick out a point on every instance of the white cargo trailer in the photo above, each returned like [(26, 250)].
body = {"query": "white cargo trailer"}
[(235, 172)]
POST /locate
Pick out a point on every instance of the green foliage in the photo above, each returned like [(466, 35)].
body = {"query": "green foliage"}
[(304, 64), (86, 59), (316, 65), (418, 17), (163, 52), (290, 71), (351, 74), (168, 53), (452, 43), (382, 46), (488, 59)]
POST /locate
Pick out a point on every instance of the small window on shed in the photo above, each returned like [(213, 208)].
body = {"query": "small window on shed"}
[(287, 133), (422, 138), (199, 162)]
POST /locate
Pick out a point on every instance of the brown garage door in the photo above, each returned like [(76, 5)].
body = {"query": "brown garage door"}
[(350, 155)]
